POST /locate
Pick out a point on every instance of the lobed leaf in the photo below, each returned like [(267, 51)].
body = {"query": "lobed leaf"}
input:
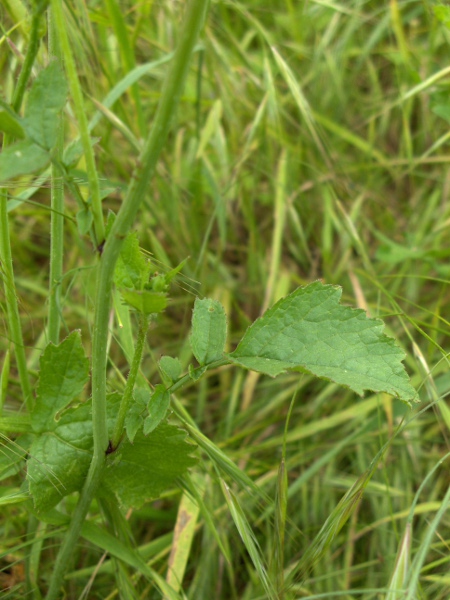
[(310, 330), (209, 330)]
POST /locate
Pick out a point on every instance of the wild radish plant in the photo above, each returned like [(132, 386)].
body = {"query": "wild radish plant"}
[(122, 449)]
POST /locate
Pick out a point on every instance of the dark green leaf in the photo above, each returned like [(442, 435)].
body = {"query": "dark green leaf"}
[(144, 469), (60, 457), (209, 330), (310, 330)]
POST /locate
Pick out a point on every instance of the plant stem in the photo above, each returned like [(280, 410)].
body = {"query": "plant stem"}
[(57, 215), (15, 327), (173, 86), (77, 96), (131, 380)]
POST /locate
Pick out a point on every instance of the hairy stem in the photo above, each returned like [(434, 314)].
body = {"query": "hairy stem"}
[(173, 86), (77, 96)]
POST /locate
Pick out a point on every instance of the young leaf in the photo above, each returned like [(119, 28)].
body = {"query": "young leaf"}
[(64, 372), (132, 270), (45, 101), (170, 367), (21, 159), (145, 302), (209, 330), (144, 469), (310, 330), (157, 408)]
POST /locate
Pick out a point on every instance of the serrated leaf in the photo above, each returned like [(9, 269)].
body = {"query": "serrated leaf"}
[(21, 159), (145, 302), (157, 408), (46, 99), (209, 330), (64, 372), (146, 468), (60, 457), (310, 330), (170, 367), (132, 269)]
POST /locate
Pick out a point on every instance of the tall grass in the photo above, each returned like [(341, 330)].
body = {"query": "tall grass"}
[(311, 142)]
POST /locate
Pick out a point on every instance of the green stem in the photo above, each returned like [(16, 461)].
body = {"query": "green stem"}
[(131, 380), (15, 327), (77, 96), (173, 86), (57, 215)]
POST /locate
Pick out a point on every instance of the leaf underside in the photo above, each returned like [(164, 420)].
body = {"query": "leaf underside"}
[(310, 330)]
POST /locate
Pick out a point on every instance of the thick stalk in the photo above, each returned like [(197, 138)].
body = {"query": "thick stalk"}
[(173, 86), (77, 97), (131, 380)]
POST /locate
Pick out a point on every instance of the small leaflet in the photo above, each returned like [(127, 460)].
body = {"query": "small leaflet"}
[(209, 331)]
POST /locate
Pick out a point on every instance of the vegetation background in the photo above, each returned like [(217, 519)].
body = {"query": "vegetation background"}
[(311, 143)]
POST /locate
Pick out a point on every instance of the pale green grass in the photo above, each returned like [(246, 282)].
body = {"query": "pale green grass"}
[(307, 146)]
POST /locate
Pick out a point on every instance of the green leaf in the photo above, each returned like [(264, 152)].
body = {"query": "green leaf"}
[(143, 470), (46, 100), (60, 457), (21, 159), (10, 123), (310, 330), (196, 374), (209, 331), (64, 372), (134, 419), (85, 219), (170, 367), (145, 302), (132, 269), (157, 408)]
